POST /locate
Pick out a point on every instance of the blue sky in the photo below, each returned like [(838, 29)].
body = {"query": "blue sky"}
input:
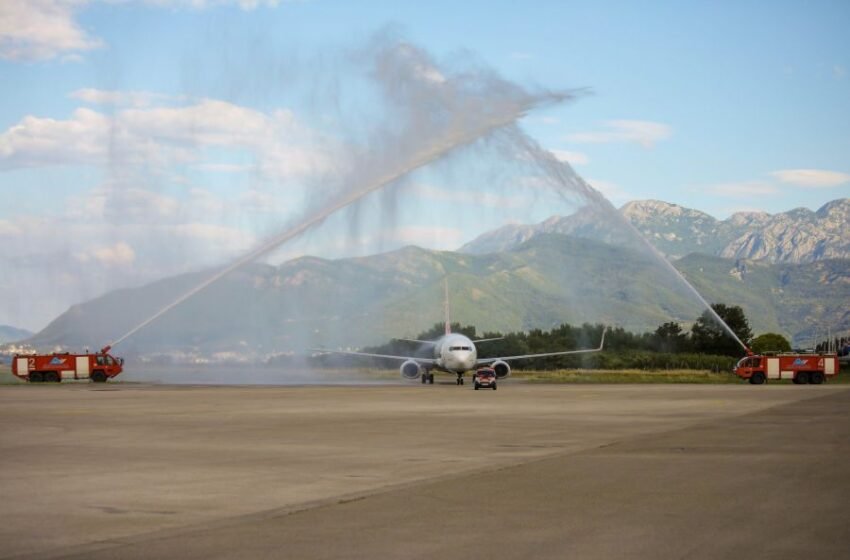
[(718, 106)]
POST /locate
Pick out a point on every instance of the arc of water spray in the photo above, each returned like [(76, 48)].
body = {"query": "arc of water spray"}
[(417, 160), (557, 168), (669, 266)]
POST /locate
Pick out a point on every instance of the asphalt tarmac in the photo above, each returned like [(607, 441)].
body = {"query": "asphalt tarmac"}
[(528, 471)]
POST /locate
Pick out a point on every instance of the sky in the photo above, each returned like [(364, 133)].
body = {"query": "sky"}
[(140, 139)]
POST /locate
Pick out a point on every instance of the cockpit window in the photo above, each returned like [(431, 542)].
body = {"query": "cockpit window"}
[(453, 348)]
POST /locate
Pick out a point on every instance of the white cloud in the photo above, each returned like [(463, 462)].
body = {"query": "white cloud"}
[(812, 177), (223, 167), (38, 141), (41, 29), (573, 158), (46, 29), (645, 133), (419, 66), (118, 255), (8, 229), (430, 74), (208, 122), (156, 136)]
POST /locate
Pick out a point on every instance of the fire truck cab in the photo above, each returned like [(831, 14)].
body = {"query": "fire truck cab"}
[(799, 368)]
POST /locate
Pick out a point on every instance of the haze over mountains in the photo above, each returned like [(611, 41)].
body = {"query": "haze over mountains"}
[(790, 272), (12, 334)]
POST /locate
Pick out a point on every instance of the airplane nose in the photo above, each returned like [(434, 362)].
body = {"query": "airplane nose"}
[(461, 361), (468, 362)]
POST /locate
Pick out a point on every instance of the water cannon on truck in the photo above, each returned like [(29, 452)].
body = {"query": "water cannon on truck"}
[(56, 367)]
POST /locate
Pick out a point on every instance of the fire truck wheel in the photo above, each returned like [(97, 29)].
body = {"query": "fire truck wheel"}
[(803, 377), (757, 378), (51, 377), (98, 377), (36, 377), (816, 378)]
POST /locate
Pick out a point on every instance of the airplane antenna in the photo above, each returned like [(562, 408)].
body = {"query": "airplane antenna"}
[(448, 318)]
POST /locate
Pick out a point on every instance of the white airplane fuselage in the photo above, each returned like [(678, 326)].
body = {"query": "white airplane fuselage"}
[(455, 353)]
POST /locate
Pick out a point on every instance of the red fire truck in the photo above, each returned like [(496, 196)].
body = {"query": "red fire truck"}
[(56, 367), (799, 368)]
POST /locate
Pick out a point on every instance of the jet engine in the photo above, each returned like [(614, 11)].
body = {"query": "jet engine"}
[(410, 370), (501, 368)]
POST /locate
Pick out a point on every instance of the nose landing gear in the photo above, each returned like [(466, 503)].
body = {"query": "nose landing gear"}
[(460, 379)]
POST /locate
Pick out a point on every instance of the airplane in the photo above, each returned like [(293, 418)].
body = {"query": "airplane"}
[(456, 353)]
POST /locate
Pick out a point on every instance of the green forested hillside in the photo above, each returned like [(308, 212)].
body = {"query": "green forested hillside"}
[(548, 280)]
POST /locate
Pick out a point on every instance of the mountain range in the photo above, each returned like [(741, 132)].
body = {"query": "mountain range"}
[(12, 334), (797, 236), (563, 270)]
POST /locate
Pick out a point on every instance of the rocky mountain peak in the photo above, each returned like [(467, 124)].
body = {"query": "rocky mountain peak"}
[(797, 236), (743, 219), (836, 210), (640, 210)]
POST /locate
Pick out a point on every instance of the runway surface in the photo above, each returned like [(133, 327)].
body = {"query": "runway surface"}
[(528, 471)]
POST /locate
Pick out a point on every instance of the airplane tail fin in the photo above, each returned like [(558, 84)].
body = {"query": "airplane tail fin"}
[(448, 316)]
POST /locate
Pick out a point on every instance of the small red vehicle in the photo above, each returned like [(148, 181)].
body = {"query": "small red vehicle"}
[(799, 368), (484, 377), (56, 367)]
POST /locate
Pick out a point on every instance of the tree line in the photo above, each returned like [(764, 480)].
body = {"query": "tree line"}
[(706, 346)]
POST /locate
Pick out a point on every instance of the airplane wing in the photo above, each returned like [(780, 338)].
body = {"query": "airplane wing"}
[(367, 354), (485, 361)]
